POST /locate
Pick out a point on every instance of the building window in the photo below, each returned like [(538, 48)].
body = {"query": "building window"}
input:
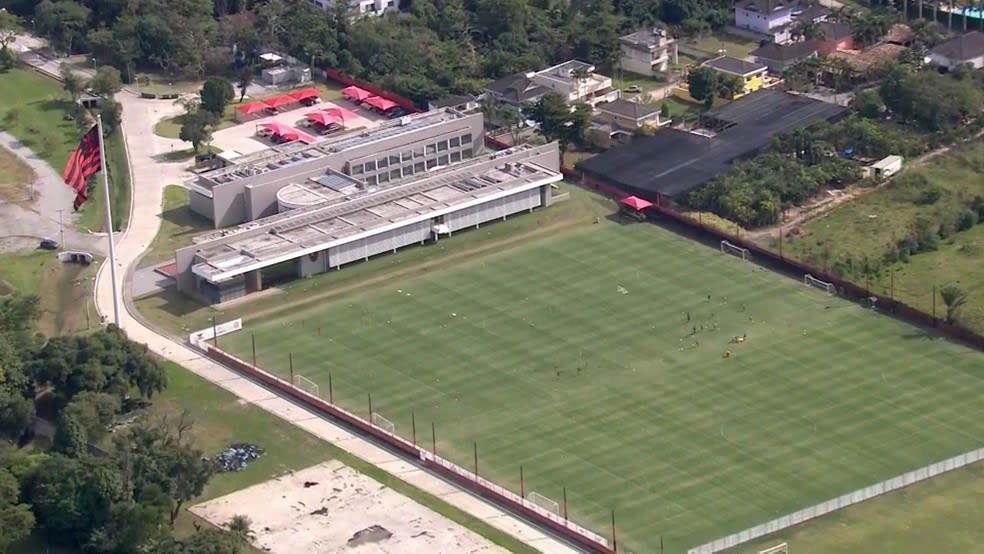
[(395, 174), (465, 139), (431, 148), (384, 178), (431, 163), (455, 156), (356, 169), (442, 146), (371, 180), (408, 155), (467, 153), (394, 159), (443, 160), (408, 171), (382, 162), (370, 166), (418, 152), (418, 167), (455, 141)]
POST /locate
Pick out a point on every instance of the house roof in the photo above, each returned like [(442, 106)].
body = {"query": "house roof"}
[(517, 87), (734, 66), (900, 33), (963, 48), (452, 100), (815, 12), (786, 52), (647, 38), (672, 161), (870, 56), (763, 6), (835, 31), (625, 108)]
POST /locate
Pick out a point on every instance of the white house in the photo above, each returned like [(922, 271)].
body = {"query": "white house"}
[(770, 18), (649, 52), (574, 80), (965, 49), (359, 7)]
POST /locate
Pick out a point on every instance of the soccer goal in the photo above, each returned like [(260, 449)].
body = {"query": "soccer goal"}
[(728, 248), (383, 423), (811, 281), (307, 385), (543, 502), (781, 548)]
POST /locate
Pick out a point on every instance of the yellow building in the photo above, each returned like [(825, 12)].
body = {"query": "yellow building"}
[(752, 74)]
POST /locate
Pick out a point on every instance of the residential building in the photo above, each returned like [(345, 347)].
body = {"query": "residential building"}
[(834, 37), (629, 116), (900, 34), (574, 80), (359, 7), (966, 49), (325, 223), (460, 102), (860, 61), (779, 57), (753, 75), (649, 52), (816, 13), (246, 189), (772, 19)]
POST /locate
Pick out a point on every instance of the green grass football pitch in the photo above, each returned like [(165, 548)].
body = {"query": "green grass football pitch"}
[(823, 398)]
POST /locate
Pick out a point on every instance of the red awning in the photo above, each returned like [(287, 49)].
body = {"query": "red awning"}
[(325, 117), (280, 129), (356, 93), (252, 107), (341, 113), (304, 94), (381, 103), (278, 101), (636, 203)]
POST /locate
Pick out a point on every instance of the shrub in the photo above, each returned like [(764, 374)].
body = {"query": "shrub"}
[(966, 220), (150, 95), (929, 195)]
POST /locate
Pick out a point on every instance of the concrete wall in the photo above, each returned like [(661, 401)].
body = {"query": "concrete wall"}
[(493, 210), (308, 266), (200, 204), (760, 22), (379, 244)]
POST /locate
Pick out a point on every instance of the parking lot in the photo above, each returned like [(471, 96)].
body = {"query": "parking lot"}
[(243, 137)]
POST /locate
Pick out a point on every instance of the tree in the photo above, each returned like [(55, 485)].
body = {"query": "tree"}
[(71, 82), (16, 520), (195, 128), (241, 526), (106, 82), (64, 22), (216, 93), (132, 528), (16, 413), (207, 541), (868, 104), (954, 297), (553, 115), (702, 84), (70, 438), (71, 497), (112, 114), (245, 79), (10, 25), (94, 411)]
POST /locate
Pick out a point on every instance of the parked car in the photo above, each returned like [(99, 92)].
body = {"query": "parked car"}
[(308, 102), (396, 112), (331, 129), (48, 244), (271, 110), (634, 89), (263, 132)]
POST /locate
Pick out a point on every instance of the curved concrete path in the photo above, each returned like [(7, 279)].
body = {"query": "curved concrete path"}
[(149, 177)]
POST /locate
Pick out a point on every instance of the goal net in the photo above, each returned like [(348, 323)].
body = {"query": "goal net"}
[(307, 385), (383, 423), (781, 548), (812, 281), (543, 502), (728, 248)]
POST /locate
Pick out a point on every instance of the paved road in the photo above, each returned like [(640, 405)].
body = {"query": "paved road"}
[(149, 177)]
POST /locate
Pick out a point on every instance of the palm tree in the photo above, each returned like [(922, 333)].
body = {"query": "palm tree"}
[(580, 76), (953, 298)]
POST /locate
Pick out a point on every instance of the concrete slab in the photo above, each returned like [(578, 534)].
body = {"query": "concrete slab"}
[(147, 281)]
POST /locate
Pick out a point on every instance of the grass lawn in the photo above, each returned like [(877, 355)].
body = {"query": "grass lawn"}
[(658, 425), (178, 227), (942, 514), (39, 105), (15, 178), (868, 225), (736, 47), (65, 290)]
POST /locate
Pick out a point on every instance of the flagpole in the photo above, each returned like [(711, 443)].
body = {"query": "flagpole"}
[(109, 224)]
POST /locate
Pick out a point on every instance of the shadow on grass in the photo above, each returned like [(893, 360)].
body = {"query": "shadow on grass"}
[(182, 216)]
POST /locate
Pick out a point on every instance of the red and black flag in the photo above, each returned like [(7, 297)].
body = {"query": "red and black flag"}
[(84, 162)]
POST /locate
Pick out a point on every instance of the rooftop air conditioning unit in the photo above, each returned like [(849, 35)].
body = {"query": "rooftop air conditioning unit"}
[(405, 120)]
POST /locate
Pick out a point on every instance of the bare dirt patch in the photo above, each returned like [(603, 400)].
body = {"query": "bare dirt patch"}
[(15, 178), (332, 508)]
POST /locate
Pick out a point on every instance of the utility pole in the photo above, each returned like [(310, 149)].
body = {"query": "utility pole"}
[(61, 230)]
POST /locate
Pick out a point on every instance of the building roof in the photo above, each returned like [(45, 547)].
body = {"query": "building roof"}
[(963, 48), (900, 33), (626, 108), (673, 162), (517, 87), (815, 12), (728, 64), (647, 38), (835, 31), (452, 101), (868, 57), (763, 6), (786, 52)]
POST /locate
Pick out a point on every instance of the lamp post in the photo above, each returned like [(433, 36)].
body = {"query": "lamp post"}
[(94, 63)]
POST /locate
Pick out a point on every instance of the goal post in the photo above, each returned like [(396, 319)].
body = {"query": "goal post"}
[(544, 502), (383, 423), (729, 248), (811, 281), (307, 385), (781, 548)]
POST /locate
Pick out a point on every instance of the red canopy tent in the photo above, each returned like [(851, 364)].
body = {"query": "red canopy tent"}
[(252, 107), (381, 103), (304, 94), (278, 101), (280, 129), (341, 113), (325, 117), (356, 93), (636, 203)]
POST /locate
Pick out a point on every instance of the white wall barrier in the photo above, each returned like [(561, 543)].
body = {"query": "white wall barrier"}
[(842, 501)]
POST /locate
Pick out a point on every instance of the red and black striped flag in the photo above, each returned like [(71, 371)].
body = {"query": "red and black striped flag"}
[(84, 162)]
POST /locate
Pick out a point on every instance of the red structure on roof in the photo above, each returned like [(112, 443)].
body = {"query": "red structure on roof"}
[(381, 103), (304, 94), (278, 101), (252, 107), (356, 93), (636, 203)]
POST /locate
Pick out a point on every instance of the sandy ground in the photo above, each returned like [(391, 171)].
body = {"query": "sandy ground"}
[(331, 508), (242, 138)]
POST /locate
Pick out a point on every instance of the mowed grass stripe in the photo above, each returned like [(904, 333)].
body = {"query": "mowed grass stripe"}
[(825, 397)]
